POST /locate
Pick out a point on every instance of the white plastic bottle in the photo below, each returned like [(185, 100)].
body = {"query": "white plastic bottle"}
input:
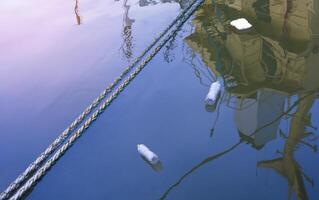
[(150, 156), (213, 93)]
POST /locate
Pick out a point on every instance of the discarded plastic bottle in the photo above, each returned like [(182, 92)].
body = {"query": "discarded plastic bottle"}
[(214, 93), (146, 153)]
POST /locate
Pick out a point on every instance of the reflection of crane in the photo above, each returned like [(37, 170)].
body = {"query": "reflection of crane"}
[(127, 32), (76, 11), (286, 166)]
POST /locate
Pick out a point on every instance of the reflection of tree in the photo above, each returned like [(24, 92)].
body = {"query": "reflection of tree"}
[(76, 11), (127, 36), (202, 72), (287, 166)]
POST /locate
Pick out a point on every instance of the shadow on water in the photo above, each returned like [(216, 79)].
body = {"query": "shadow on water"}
[(265, 69), (156, 167)]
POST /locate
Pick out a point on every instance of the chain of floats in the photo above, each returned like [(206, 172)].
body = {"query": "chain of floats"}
[(62, 137), (180, 20)]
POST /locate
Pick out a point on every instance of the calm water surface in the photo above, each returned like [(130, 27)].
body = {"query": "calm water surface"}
[(258, 142)]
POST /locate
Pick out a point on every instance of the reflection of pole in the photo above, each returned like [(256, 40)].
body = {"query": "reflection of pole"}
[(76, 11), (127, 32)]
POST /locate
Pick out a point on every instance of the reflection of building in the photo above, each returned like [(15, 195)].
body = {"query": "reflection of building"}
[(296, 19), (286, 165), (264, 66), (257, 59), (264, 62), (260, 69), (261, 109), (205, 39)]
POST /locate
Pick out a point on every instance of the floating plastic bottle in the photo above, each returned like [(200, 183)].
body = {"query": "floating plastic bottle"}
[(213, 94), (147, 154)]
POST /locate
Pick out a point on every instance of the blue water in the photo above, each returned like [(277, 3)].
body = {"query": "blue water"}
[(163, 108), (48, 75)]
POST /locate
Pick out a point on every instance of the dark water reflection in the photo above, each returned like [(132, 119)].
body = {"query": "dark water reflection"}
[(262, 70), (259, 142)]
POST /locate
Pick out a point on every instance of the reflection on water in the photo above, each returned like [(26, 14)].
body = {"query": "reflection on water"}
[(57, 67), (127, 35), (286, 165), (266, 106), (182, 3), (270, 67), (205, 161), (269, 74), (77, 14)]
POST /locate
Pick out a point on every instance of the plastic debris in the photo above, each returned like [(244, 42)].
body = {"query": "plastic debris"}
[(241, 24), (147, 154), (214, 93)]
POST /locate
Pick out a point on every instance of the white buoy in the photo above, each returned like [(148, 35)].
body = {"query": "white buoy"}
[(149, 156), (214, 93), (241, 24)]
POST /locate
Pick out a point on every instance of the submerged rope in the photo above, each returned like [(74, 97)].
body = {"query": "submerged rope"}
[(66, 133), (42, 171)]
